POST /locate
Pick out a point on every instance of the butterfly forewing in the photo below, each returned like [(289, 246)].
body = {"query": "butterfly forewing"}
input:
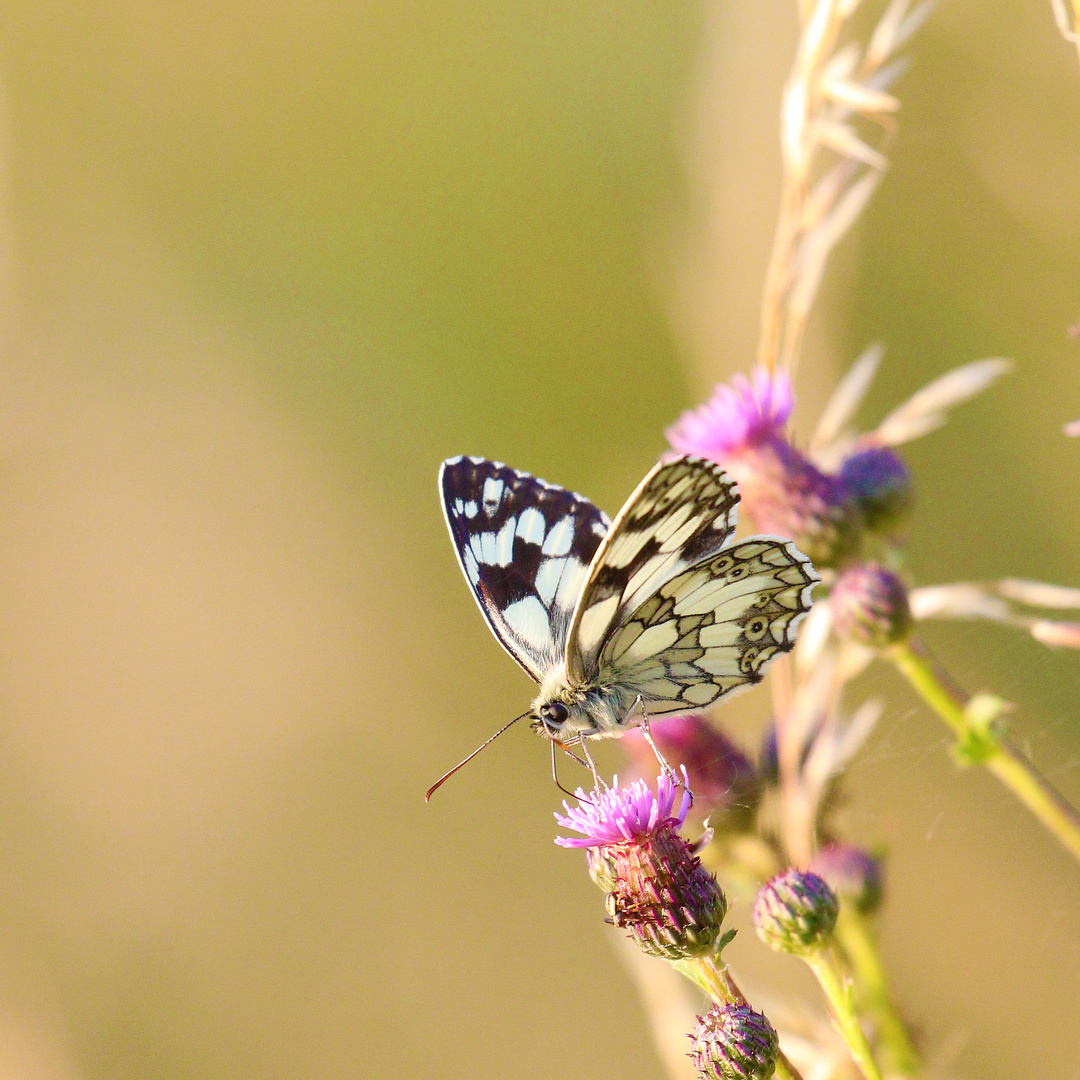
[(682, 512), (711, 628), (525, 547)]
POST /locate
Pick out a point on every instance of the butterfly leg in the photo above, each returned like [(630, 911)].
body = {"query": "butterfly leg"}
[(665, 766), (598, 783)]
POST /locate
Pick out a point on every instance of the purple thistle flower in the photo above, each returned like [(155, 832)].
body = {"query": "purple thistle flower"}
[(742, 428), (880, 481), (623, 815), (748, 411), (657, 888)]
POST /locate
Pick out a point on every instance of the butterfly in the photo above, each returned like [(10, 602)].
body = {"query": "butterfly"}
[(652, 614)]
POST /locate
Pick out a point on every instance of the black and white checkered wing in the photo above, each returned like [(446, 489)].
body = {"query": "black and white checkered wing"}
[(681, 513), (525, 547), (711, 628)]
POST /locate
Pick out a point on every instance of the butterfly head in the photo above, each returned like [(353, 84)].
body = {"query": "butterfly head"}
[(551, 718), (566, 713)]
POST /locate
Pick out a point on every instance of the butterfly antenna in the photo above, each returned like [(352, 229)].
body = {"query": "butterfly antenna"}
[(446, 776)]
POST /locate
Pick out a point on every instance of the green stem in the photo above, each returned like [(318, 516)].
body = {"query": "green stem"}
[(1006, 761), (785, 1070), (855, 938), (838, 991)]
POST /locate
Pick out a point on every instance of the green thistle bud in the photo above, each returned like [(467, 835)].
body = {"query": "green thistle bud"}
[(870, 605), (732, 1042), (795, 912)]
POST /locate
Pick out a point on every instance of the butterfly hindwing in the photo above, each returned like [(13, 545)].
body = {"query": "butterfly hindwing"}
[(682, 512), (525, 547), (711, 628)]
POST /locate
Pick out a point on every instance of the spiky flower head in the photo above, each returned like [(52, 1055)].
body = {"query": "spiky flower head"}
[(880, 482), (725, 784), (737, 416), (870, 605), (732, 1042), (742, 428), (657, 888), (853, 874), (795, 912)]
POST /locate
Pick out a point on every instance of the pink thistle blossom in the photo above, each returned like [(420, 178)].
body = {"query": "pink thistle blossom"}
[(656, 887), (741, 427), (623, 815), (739, 415)]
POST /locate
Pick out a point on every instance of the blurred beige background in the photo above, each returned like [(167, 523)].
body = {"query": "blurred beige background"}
[(261, 268)]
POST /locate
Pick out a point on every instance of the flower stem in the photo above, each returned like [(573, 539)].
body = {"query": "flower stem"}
[(982, 743), (855, 938), (838, 991), (711, 974)]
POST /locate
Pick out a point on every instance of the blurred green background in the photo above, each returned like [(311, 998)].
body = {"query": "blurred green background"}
[(261, 268)]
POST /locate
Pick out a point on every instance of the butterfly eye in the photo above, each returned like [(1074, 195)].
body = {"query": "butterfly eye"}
[(554, 714)]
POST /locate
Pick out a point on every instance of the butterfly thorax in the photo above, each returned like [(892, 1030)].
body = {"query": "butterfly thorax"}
[(566, 709)]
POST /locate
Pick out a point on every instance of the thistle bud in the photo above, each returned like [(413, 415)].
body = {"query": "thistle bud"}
[(732, 1042), (853, 874), (870, 605), (795, 912), (657, 888), (880, 482)]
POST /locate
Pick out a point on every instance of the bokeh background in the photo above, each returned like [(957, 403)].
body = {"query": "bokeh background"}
[(262, 266)]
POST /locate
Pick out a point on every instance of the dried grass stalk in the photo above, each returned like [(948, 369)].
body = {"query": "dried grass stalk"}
[(836, 90)]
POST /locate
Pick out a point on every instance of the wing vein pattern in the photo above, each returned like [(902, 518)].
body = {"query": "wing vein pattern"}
[(682, 512), (710, 629)]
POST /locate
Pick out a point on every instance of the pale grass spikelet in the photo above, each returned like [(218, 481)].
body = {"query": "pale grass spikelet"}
[(1067, 25), (830, 168), (928, 409), (835, 438), (1008, 602)]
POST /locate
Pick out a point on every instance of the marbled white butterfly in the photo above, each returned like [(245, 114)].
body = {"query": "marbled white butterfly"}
[(655, 613)]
